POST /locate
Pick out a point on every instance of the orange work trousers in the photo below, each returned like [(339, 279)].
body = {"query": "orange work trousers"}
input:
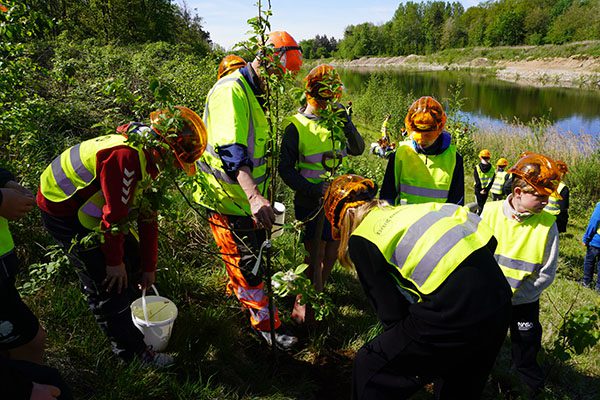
[(239, 242)]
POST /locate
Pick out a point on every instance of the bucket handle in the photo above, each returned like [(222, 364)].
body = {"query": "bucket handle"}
[(144, 307)]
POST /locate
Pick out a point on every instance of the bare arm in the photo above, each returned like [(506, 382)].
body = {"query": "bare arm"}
[(259, 206)]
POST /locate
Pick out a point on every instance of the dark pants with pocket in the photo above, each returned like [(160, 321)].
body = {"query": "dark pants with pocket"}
[(526, 339), (111, 309)]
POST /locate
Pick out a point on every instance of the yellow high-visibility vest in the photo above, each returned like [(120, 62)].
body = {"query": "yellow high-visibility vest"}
[(521, 245), (232, 116), (314, 142), (499, 182), (75, 169), (6, 240), (423, 178), (425, 242), (484, 177), (553, 207)]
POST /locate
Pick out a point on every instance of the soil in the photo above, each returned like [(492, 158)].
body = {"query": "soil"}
[(575, 71)]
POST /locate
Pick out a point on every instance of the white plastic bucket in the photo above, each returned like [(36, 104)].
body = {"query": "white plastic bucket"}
[(279, 210), (154, 317)]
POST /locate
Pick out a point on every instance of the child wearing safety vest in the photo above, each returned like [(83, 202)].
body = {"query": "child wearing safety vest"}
[(426, 168), (308, 151), (483, 176), (97, 188), (499, 179), (527, 253), (429, 272)]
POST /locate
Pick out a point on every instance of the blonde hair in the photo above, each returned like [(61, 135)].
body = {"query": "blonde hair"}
[(349, 222)]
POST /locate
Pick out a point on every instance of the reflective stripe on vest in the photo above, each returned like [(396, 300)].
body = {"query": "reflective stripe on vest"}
[(421, 178), (75, 169), (425, 242), (314, 142), (214, 188), (499, 182), (521, 245), (6, 240), (484, 177), (553, 207)]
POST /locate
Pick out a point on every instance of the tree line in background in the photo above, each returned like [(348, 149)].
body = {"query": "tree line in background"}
[(423, 28), (123, 22)]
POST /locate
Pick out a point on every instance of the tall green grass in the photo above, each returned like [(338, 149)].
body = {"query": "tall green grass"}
[(581, 152)]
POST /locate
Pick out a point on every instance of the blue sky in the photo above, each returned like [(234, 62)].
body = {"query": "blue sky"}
[(225, 20)]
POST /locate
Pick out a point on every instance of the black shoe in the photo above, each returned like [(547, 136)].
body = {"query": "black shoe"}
[(283, 339)]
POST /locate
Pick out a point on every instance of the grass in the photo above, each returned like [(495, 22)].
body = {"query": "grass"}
[(217, 355), (219, 358)]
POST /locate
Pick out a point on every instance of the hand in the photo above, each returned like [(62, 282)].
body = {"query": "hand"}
[(483, 191), (262, 211), (115, 275), (15, 204), (148, 279), (17, 186), (44, 392)]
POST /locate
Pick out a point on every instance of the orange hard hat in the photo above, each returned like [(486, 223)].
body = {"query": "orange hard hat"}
[(230, 63), (485, 153), (541, 172), (287, 49), (425, 120), (344, 192), (188, 141), (322, 83), (502, 162)]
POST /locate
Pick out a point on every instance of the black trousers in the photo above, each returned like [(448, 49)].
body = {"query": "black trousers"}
[(111, 309), (481, 199), (526, 339), (395, 366)]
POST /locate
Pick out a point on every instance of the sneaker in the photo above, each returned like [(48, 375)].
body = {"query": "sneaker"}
[(152, 358), (285, 340)]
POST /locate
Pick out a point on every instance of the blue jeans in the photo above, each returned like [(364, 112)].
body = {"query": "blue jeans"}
[(592, 257)]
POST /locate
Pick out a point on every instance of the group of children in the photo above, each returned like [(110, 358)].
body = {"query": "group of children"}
[(445, 283)]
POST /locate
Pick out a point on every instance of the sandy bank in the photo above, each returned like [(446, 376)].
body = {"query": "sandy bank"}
[(576, 71)]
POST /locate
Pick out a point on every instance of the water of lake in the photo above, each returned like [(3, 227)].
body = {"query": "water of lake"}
[(492, 102)]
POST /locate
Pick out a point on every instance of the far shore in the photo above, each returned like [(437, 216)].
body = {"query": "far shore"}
[(576, 71)]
